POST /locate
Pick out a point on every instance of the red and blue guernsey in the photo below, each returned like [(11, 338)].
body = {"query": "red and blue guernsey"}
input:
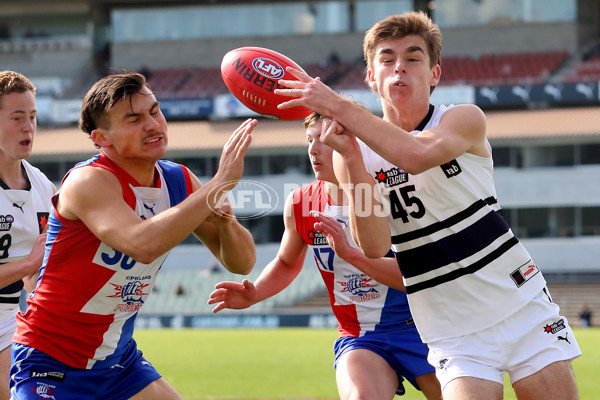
[(87, 297), (360, 303)]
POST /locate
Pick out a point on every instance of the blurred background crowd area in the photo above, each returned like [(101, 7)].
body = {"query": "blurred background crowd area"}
[(65, 45)]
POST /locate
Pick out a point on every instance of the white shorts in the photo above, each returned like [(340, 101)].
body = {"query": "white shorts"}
[(523, 344), (8, 326)]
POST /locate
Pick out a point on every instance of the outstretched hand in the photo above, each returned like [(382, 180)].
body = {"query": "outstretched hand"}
[(231, 165), (335, 234), (308, 92), (233, 295)]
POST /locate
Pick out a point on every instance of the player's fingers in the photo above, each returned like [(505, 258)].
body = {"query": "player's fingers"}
[(301, 75), (227, 285), (242, 138), (315, 214), (288, 104), (243, 144), (216, 295), (241, 131), (288, 85), (323, 218), (212, 300), (218, 308), (331, 228), (332, 127), (247, 284)]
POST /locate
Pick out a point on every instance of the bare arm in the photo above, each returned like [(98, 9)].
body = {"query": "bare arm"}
[(228, 240), (384, 270), (368, 217), (461, 129), (28, 266), (275, 277), (37, 254), (94, 196)]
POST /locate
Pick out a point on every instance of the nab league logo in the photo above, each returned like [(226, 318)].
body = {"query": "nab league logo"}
[(361, 288), (132, 294), (555, 326), (391, 177), (6, 222), (317, 238)]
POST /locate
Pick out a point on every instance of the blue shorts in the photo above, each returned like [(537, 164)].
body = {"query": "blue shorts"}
[(402, 349), (35, 375)]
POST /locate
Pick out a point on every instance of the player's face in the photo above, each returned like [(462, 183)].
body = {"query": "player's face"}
[(320, 155), (138, 128), (17, 125), (401, 71)]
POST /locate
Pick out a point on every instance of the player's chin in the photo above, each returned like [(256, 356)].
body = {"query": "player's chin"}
[(24, 152), (324, 175)]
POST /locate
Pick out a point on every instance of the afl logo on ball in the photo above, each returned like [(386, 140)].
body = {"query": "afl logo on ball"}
[(268, 68)]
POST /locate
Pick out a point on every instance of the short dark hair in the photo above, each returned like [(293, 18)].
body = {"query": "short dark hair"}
[(104, 94)]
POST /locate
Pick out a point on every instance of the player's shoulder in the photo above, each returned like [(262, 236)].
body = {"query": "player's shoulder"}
[(303, 198), (88, 179), (464, 117), (469, 110)]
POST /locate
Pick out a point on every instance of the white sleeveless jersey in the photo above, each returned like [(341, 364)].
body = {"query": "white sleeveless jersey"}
[(23, 215), (463, 268)]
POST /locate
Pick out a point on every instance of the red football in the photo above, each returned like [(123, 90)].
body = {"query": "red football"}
[(251, 74)]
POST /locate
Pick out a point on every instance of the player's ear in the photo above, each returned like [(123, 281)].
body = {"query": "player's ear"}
[(436, 73), (371, 79), (100, 138)]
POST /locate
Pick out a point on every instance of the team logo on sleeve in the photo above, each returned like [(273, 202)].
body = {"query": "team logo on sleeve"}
[(451, 168), (6, 222), (317, 238), (391, 177)]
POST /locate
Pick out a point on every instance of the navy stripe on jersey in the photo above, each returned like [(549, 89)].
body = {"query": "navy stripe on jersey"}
[(476, 266), (9, 300), (453, 248), (13, 288), (447, 223)]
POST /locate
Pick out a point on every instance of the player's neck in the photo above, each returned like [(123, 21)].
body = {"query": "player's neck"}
[(336, 194), (11, 173), (142, 170), (407, 118)]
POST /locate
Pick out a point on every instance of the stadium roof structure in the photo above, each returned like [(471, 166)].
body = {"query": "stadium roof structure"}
[(548, 126)]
